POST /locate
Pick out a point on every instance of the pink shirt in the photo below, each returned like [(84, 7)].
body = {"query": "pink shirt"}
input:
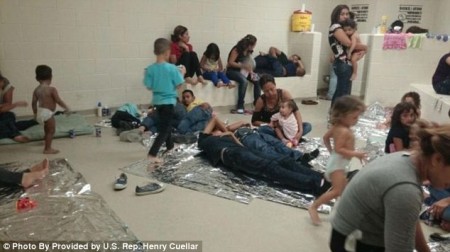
[(289, 125)]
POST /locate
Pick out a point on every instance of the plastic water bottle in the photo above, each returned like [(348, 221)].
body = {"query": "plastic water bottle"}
[(99, 109)]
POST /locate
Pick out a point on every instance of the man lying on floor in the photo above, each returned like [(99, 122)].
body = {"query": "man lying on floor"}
[(221, 146)]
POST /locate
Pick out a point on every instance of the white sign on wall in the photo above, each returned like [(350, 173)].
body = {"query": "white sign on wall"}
[(361, 12), (410, 14)]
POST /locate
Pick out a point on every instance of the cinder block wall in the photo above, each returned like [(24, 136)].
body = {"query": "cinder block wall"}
[(98, 49)]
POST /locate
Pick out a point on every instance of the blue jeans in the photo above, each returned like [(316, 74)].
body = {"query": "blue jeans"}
[(195, 120), (332, 83), (271, 146), (242, 87), (344, 84), (216, 76), (152, 120), (270, 131), (442, 87), (283, 169), (269, 65), (435, 196)]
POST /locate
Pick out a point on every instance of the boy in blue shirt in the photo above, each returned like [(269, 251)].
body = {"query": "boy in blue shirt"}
[(163, 79)]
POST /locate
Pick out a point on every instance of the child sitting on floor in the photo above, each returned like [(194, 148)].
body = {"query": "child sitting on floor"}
[(344, 114), (350, 28), (212, 67), (414, 98), (47, 97), (285, 123), (403, 116)]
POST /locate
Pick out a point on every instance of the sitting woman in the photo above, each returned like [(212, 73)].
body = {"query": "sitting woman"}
[(398, 138), (269, 104), (278, 64), (8, 127), (225, 148), (182, 53)]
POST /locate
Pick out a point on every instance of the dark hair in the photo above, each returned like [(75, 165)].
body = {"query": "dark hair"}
[(212, 52), (351, 14), (349, 23), (245, 42), (43, 72), (416, 29), (188, 91), (396, 23), (399, 109), (266, 78), (291, 104), (178, 31), (160, 46), (433, 139), (415, 96), (344, 105), (3, 78), (337, 12)]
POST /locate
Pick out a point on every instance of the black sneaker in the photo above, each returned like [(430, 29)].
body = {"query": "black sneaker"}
[(150, 188), (309, 156), (121, 182)]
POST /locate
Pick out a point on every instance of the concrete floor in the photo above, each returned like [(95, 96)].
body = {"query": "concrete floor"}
[(181, 214)]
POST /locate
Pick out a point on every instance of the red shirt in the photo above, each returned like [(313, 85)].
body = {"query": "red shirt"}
[(177, 51)]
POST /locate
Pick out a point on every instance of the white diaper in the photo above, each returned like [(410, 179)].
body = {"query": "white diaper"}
[(336, 162), (44, 114)]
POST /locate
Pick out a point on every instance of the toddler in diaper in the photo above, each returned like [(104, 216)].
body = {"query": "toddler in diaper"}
[(344, 114), (44, 114), (47, 97)]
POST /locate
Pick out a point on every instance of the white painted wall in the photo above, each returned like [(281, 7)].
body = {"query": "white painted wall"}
[(99, 48), (390, 72), (442, 18)]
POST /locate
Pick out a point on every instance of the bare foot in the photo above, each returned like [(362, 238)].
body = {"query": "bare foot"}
[(231, 85), (220, 84), (21, 139), (154, 160), (38, 172), (201, 80), (51, 151), (190, 80), (353, 77), (41, 166), (314, 216)]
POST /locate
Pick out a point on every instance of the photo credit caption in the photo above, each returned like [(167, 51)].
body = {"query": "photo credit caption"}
[(154, 246)]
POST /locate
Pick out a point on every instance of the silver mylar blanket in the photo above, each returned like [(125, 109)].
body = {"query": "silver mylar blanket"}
[(67, 210), (183, 168)]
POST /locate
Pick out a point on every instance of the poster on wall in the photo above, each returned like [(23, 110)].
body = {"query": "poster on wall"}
[(361, 12), (410, 13)]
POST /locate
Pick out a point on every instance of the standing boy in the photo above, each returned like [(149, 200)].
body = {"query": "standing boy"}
[(163, 79), (47, 97)]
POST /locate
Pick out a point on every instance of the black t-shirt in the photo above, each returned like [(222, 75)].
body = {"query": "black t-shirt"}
[(397, 132), (266, 113)]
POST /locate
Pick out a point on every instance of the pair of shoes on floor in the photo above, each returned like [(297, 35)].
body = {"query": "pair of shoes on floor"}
[(149, 188)]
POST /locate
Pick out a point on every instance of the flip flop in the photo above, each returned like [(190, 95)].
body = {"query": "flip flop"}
[(310, 102), (246, 112)]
